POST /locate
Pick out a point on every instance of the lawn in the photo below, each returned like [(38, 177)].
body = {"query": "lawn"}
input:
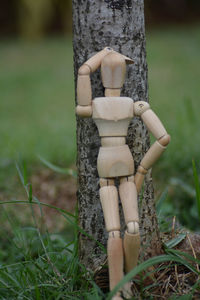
[(36, 107), (174, 71), (37, 101)]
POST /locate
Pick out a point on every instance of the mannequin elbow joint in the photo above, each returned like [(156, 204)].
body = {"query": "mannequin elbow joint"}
[(164, 140)]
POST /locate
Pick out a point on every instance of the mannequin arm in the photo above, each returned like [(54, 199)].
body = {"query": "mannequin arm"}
[(155, 126), (84, 90)]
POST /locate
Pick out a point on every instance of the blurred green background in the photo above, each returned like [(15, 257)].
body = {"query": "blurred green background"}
[(37, 95)]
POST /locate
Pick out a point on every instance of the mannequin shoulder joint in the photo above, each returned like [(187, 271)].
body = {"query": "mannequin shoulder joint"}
[(140, 107)]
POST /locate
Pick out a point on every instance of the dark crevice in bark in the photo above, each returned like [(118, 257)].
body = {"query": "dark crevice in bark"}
[(119, 4)]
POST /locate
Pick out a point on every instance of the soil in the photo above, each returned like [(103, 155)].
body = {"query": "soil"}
[(57, 190), (48, 187)]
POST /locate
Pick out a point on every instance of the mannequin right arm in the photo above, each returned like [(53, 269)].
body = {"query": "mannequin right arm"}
[(84, 90)]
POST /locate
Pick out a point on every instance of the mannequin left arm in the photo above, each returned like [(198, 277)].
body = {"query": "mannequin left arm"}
[(154, 125)]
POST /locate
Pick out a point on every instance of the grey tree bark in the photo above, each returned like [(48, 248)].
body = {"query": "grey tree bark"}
[(120, 25)]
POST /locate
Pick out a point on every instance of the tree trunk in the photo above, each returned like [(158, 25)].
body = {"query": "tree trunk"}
[(120, 25)]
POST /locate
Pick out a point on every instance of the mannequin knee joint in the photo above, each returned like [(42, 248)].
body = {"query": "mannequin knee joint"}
[(133, 227)]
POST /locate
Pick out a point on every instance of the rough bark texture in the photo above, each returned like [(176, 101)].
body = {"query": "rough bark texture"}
[(120, 25)]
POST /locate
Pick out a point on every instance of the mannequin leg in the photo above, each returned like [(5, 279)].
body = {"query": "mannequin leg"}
[(128, 195), (115, 258), (109, 202)]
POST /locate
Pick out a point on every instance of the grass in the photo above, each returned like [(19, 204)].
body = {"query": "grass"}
[(173, 60), (37, 118), (43, 265), (37, 106), (173, 57)]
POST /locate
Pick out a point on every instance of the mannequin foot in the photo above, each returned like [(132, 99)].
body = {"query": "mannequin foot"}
[(117, 297), (126, 290)]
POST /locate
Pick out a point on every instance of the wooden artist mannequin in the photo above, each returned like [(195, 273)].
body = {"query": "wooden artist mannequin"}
[(112, 115)]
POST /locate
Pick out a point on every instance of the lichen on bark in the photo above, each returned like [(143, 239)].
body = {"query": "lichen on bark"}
[(120, 25)]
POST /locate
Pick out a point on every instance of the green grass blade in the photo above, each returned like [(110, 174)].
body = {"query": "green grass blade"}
[(183, 297), (25, 176), (10, 278), (174, 242), (57, 169), (188, 189), (37, 293), (36, 202), (197, 186), (30, 195), (63, 212), (184, 254), (162, 198)]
